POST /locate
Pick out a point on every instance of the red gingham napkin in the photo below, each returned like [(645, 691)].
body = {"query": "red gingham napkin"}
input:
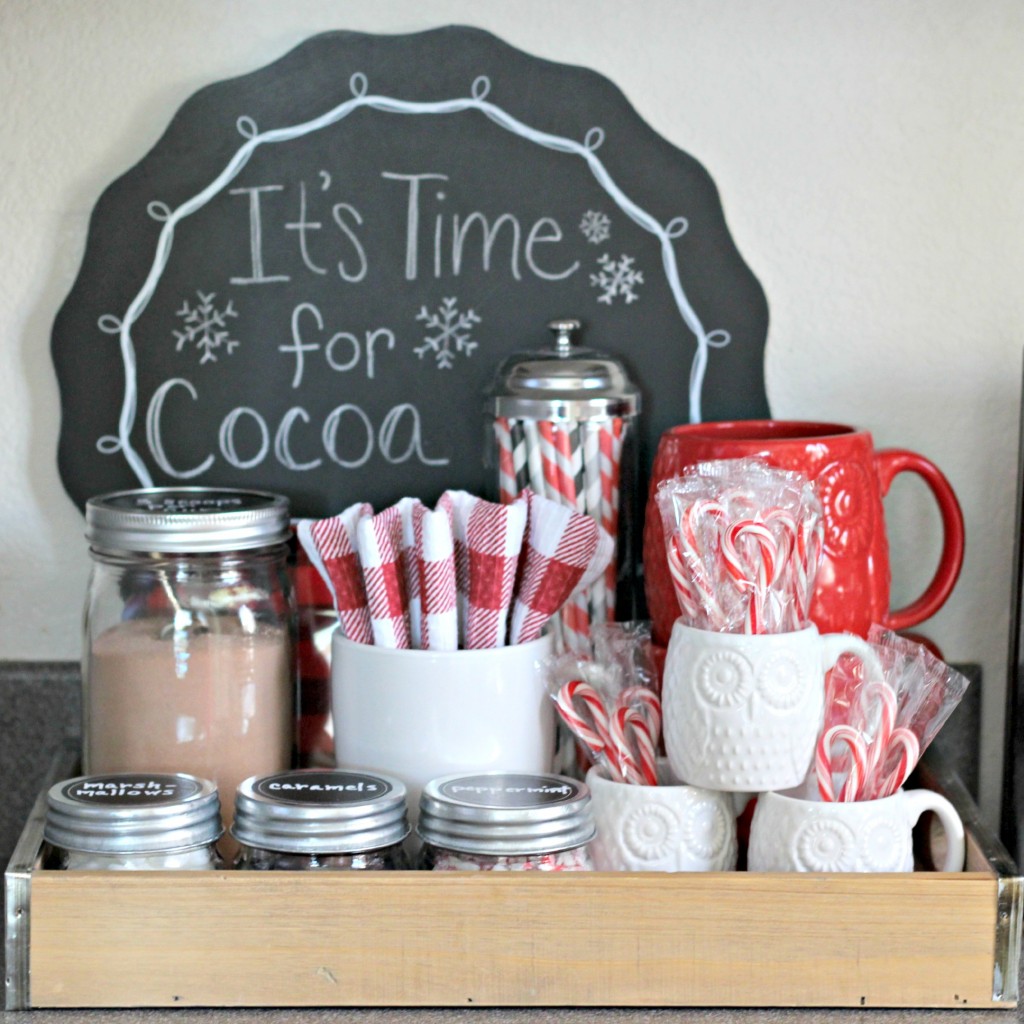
[(435, 557), (410, 511), (457, 506), (379, 541), (331, 547), (493, 543), (564, 550)]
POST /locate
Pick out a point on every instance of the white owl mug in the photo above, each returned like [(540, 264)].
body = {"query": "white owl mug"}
[(790, 834), (743, 711), (668, 827)]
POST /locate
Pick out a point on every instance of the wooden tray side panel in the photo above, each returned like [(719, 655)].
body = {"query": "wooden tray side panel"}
[(420, 939)]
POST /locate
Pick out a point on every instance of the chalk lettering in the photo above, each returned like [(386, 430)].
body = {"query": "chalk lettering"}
[(351, 235), (282, 441), (412, 216), (227, 437), (154, 437), (259, 276), (535, 237), (301, 225)]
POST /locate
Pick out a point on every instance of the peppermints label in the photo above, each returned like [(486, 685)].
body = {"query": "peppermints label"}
[(510, 790)]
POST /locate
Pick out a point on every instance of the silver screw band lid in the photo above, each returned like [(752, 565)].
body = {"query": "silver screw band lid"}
[(186, 520), (314, 811), (563, 383), (132, 812), (506, 813)]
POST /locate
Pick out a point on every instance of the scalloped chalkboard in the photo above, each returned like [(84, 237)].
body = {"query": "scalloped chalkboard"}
[(309, 282)]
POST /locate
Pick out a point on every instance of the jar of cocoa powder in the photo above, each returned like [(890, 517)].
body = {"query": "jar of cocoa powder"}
[(315, 820), (505, 821), (189, 656), (132, 821)]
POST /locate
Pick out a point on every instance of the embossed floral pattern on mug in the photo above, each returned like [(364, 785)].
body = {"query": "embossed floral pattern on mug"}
[(791, 834), (668, 827)]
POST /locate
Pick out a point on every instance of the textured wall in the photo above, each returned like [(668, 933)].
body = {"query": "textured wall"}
[(870, 160)]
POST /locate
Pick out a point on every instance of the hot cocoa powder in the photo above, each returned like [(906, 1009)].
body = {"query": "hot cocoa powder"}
[(217, 703)]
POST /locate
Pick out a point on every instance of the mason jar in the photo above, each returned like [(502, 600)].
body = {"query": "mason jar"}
[(505, 821), (132, 821), (313, 820), (189, 654)]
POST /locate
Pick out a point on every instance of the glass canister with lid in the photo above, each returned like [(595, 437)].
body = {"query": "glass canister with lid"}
[(505, 821), (564, 424), (314, 820), (189, 652), (132, 821)]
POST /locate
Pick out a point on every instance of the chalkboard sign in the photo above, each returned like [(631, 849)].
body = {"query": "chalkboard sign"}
[(309, 282)]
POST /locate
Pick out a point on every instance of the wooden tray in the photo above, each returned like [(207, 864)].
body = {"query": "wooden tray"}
[(101, 939)]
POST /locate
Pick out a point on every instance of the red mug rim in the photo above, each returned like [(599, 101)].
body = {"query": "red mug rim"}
[(763, 430)]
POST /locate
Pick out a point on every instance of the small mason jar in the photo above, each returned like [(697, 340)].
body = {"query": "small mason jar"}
[(132, 821), (313, 820), (505, 821), (189, 652)]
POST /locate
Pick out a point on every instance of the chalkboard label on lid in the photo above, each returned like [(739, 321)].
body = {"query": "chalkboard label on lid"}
[(308, 283)]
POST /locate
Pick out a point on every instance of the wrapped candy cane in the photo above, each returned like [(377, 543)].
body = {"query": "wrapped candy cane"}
[(824, 764), (742, 542)]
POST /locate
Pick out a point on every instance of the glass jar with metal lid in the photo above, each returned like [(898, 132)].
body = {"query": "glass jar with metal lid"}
[(313, 820), (564, 426), (188, 661), (505, 821), (132, 821)]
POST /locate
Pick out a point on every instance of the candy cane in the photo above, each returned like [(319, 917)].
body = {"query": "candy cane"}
[(877, 750), (783, 525), (752, 570), (632, 746), (682, 581), (910, 751), (592, 728), (649, 705), (823, 762), (695, 540)]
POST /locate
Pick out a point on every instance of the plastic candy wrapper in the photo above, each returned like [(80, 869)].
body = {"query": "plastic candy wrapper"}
[(610, 704), (876, 730), (744, 543)]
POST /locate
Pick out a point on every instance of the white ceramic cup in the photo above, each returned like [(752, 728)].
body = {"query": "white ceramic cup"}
[(418, 715), (791, 834), (668, 827), (743, 711)]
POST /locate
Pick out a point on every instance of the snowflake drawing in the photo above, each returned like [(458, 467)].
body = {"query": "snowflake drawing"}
[(617, 278), (596, 227), (206, 327), (453, 330)]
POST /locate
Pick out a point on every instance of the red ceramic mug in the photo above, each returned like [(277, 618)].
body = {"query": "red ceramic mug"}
[(852, 591)]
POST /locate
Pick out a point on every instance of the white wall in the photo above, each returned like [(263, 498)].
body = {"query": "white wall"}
[(869, 153)]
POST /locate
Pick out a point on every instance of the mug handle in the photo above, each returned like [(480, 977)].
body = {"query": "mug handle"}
[(888, 463), (835, 645), (921, 800)]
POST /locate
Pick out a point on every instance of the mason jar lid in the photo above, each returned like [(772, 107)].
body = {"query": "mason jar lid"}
[(132, 812), (314, 811), (563, 383), (186, 520), (506, 813)]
